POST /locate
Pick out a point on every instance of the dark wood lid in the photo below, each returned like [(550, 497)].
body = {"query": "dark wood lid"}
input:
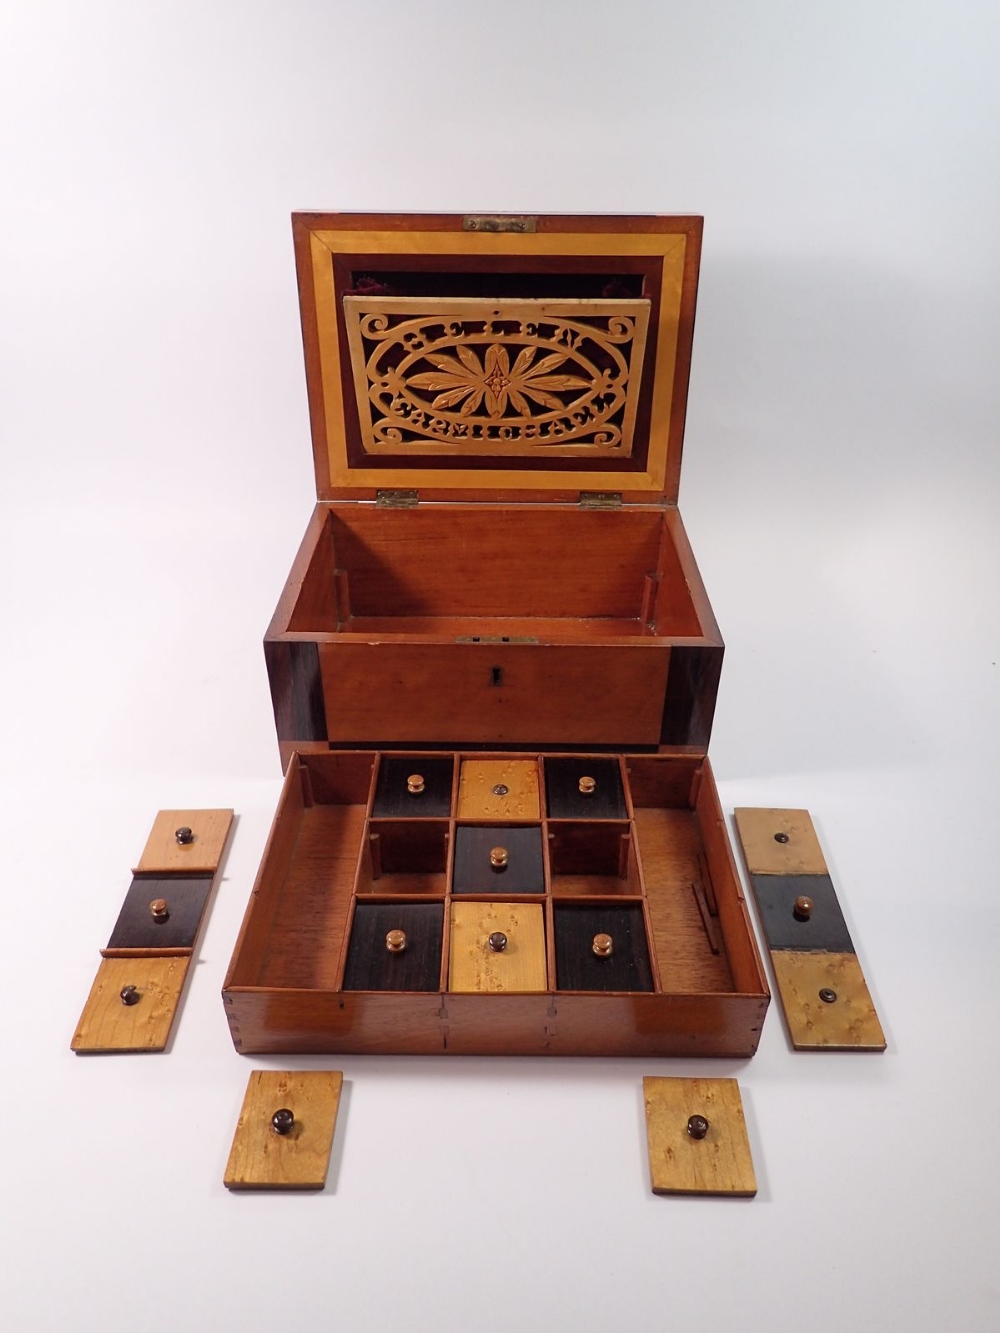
[(513, 358)]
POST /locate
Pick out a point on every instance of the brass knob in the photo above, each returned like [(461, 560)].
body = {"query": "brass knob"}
[(603, 945), (184, 835), (587, 786), (697, 1126), (395, 941), (499, 858), (497, 941), (129, 995), (159, 910), (282, 1121), (415, 784), (802, 908)]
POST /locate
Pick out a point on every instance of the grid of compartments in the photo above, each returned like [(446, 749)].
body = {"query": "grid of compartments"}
[(503, 875)]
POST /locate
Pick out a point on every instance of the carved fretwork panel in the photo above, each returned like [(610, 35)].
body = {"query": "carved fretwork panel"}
[(510, 379)]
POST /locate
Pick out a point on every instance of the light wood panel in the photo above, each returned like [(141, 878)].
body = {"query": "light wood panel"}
[(779, 842), (108, 1025), (200, 856), (260, 1158), (849, 1022), (477, 799), (473, 966), (719, 1163)]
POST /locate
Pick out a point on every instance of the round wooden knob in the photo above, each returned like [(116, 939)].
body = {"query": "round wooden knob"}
[(184, 835), (802, 908), (159, 910), (498, 858), (415, 784), (587, 786), (395, 941), (129, 995), (497, 941), (282, 1121), (603, 945), (828, 995), (697, 1126), (501, 789)]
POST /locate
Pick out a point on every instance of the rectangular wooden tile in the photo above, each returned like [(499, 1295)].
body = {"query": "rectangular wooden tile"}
[(517, 968), (415, 965), (200, 856), (108, 1024), (414, 787), (679, 1163), (779, 842), (480, 795), (821, 988), (848, 1021), (260, 1157), (161, 912)]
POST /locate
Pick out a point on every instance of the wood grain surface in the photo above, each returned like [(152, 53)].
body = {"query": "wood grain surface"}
[(779, 842), (849, 1023), (107, 1025), (473, 966), (719, 1163), (260, 1158), (201, 856), (477, 799)]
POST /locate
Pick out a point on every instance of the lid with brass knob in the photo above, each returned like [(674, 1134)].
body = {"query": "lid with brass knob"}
[(395, 941), (603, 945), (415, 784), (499, 858)]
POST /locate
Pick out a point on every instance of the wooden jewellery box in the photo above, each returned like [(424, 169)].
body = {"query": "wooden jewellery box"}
[(494, 665)]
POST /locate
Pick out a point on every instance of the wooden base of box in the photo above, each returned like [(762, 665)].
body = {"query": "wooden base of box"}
[(660, 882)]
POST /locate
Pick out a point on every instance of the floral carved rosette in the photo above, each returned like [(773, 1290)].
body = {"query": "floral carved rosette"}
[(521, 378)]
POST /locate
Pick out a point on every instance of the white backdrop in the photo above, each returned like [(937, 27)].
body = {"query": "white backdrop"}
[(841, 490)]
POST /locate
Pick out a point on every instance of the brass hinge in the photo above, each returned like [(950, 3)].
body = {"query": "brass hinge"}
[(600, 500), (495, 638), (499, 223), (397, 499)]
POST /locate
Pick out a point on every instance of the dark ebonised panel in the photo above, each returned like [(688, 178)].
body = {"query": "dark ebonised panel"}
[(473, 872), (566, 801), (825, 929), (689, 703), (579, 968), (296, 691), (185, 896), (392, 797), (370, 965)]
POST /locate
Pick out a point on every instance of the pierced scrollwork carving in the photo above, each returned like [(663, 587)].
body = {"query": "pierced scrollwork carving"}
[(515, 378)]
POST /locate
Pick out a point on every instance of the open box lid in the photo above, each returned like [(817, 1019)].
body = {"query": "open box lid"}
[(500, 358)]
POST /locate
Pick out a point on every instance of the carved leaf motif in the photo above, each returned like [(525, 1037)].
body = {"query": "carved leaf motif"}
[(470, 359), (429, 381), (470, 406), (452, 397), (559, 382), (497, 359), (449, 364), (546, 399), (524, 360), (547, 363)]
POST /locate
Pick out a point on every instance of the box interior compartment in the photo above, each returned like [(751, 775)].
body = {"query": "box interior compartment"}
[(544, 572), (670, 863)]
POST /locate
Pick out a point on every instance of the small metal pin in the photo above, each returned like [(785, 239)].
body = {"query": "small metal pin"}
[(129, 995), (159, 910), (499, 858), (395, 941), (184, 835), (497, 942), (697, 1126), (415, 784), (587, 786), (828, 996), (802, 908), (501, 789), (282, 1121), (603, 945)]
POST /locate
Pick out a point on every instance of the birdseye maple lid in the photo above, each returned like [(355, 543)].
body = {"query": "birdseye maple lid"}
[(497, 357)]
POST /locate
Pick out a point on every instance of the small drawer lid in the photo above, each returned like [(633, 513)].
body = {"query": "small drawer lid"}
[(497, 357)]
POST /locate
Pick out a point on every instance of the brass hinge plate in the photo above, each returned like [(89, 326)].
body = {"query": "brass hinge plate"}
[(499, 222), (600, 500), (397, 499)]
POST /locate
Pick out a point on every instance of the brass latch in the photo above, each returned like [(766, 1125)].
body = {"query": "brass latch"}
[(499, 223), (397, 499)]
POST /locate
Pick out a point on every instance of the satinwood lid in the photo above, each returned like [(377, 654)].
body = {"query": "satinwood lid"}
[(497, 357)]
